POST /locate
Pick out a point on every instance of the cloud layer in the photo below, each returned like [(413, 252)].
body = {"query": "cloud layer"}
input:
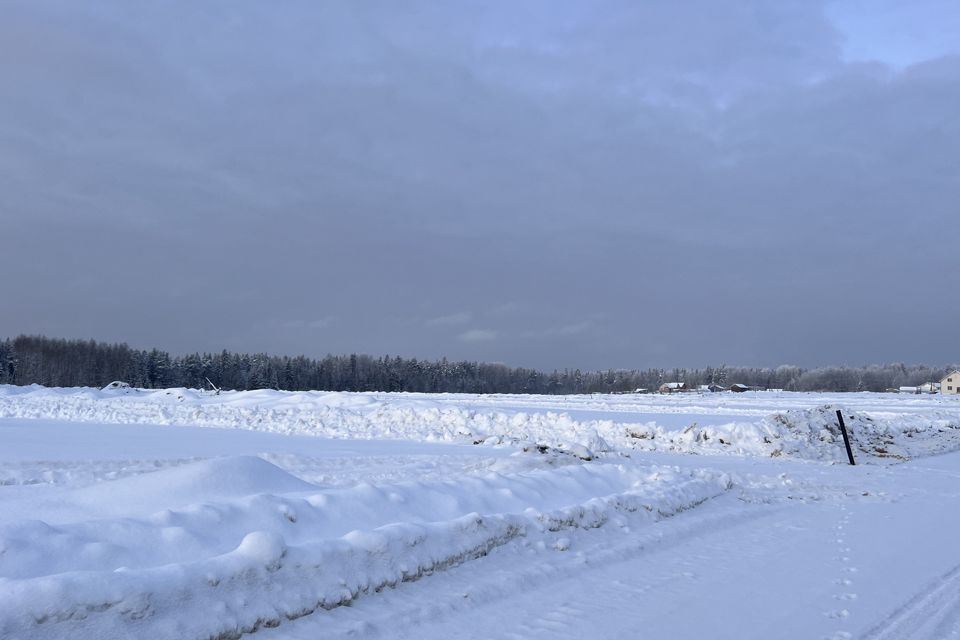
[(541, 183)]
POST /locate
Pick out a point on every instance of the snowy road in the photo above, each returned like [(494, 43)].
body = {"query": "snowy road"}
[(131, 529), (825, 562)]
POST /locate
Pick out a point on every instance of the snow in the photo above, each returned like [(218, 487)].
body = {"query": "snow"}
[(182, 513), (752, 423)]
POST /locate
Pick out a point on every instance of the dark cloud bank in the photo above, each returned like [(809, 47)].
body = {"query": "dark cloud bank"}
[(549, 184)]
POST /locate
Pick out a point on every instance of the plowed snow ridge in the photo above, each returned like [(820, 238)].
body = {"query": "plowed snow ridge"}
[(741, 424), (302, 555)]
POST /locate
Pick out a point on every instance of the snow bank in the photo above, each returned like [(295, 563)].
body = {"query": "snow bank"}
[(226, 568), (744, 424), (192, 519)]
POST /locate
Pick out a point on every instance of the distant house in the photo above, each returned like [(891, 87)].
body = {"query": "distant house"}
[(673, 387), (739, 388), (712, 388), (909, 390), (950, 385), (930, 387)]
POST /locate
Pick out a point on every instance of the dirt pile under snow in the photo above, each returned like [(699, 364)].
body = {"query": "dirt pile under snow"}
[(812, 434), (815, 433)]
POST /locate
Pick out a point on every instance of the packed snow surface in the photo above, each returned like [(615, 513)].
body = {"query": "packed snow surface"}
[(124, 514)]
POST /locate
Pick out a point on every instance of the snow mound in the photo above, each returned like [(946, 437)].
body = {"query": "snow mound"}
[(812, 434), (259, 561), (815, 434), (214, 479)]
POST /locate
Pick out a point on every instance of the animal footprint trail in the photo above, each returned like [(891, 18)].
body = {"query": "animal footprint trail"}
[(846, 570)]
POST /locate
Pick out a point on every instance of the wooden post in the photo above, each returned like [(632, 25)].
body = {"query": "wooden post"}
[(846, 438)]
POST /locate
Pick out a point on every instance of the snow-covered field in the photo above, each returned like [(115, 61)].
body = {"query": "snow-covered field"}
[(186, 514)]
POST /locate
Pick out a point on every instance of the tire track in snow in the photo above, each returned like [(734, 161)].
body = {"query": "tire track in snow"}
[(401, 611), (933, 613)]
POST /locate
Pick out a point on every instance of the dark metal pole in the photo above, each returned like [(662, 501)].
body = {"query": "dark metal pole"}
[(846, 438)]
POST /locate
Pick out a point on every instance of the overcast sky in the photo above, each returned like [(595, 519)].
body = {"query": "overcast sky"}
[(543, 183)]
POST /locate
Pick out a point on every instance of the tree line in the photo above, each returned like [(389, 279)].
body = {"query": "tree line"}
[(56, 362)]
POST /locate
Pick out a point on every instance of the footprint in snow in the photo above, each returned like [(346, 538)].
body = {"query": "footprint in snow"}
[(845, 568)]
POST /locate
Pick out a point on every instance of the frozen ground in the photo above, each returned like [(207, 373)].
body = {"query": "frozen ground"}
[(305, 515)]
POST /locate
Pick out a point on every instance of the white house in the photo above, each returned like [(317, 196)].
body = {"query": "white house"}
[(951, 384)]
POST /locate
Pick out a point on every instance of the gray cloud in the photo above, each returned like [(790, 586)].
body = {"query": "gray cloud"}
[(318, 323), (478, 335), (452, 319), (558, 331), (719, 182)]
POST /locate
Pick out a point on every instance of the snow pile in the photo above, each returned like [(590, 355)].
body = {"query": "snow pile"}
[(117, 385), (758, 428), (815, 433), (230, 566), (812, 434)]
